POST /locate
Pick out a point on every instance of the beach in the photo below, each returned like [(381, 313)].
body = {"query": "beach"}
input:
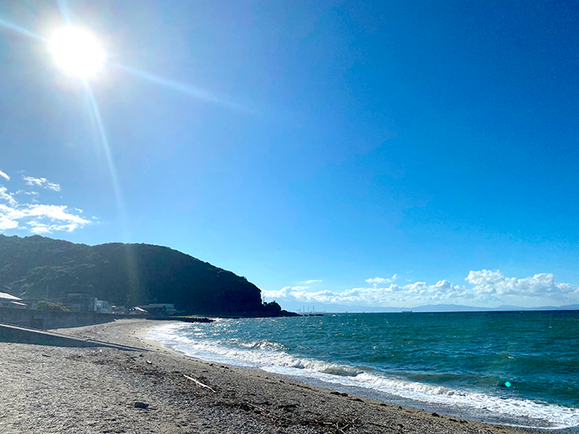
[(150, 389)]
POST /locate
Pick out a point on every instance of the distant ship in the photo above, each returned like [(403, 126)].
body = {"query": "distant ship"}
[(406, 311)]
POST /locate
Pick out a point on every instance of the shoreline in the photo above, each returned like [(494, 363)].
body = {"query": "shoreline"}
[(353, 376), (154, 389)]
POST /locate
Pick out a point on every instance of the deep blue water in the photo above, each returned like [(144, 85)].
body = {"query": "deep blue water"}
[(457, 363)]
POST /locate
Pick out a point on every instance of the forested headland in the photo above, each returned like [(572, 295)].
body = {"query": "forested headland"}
[(126, 275)]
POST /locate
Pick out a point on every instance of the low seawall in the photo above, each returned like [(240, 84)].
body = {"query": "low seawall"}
[(10, 333), (44, 320), (21, 335)]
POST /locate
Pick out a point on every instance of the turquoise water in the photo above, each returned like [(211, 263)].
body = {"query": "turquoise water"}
[(456, 363)]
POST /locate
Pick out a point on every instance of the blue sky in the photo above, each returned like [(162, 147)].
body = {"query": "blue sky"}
[(355, 153)]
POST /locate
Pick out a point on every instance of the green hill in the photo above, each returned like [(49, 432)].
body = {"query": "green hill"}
[(125, 274)]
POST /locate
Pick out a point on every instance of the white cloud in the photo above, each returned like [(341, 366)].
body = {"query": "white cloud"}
[(41, 182), (55, 213), (28, 193), (7, 197), (493, 282), (7, 223), (43, 228), (291, 291), (282, 293), (379, 280), (34, 195), (36, 218), (286, 291), (3, 175), (486, 289)]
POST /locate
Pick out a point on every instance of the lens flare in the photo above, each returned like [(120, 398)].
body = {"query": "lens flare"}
[(77, 52)]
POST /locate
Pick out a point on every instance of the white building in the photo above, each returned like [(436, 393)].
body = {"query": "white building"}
[(7, 300), (103, 306)]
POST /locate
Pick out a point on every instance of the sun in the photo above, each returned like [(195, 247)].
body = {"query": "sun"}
[(77, 52)]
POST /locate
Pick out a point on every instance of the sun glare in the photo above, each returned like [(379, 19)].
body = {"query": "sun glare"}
[(77, 52)]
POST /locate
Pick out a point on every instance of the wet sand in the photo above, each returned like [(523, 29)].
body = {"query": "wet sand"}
[(52, 389)]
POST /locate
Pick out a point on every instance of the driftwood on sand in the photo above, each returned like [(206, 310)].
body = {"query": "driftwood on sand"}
[(199, 383)]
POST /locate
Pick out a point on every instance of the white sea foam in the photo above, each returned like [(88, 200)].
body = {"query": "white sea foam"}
[(271, 357)]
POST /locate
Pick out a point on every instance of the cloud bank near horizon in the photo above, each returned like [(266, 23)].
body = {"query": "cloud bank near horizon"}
[(33, 216), (485, 288)]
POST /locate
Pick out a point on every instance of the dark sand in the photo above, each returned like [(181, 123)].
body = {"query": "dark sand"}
[(49, 389)]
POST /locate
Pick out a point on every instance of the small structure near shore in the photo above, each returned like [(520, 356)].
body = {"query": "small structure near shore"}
[(159, 309)]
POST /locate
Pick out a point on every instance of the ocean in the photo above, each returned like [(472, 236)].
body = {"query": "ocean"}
[(515, 368)]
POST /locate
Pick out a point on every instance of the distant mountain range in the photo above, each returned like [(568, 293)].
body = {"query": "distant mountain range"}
[(127, 275), (460, 308), (426, 308)]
